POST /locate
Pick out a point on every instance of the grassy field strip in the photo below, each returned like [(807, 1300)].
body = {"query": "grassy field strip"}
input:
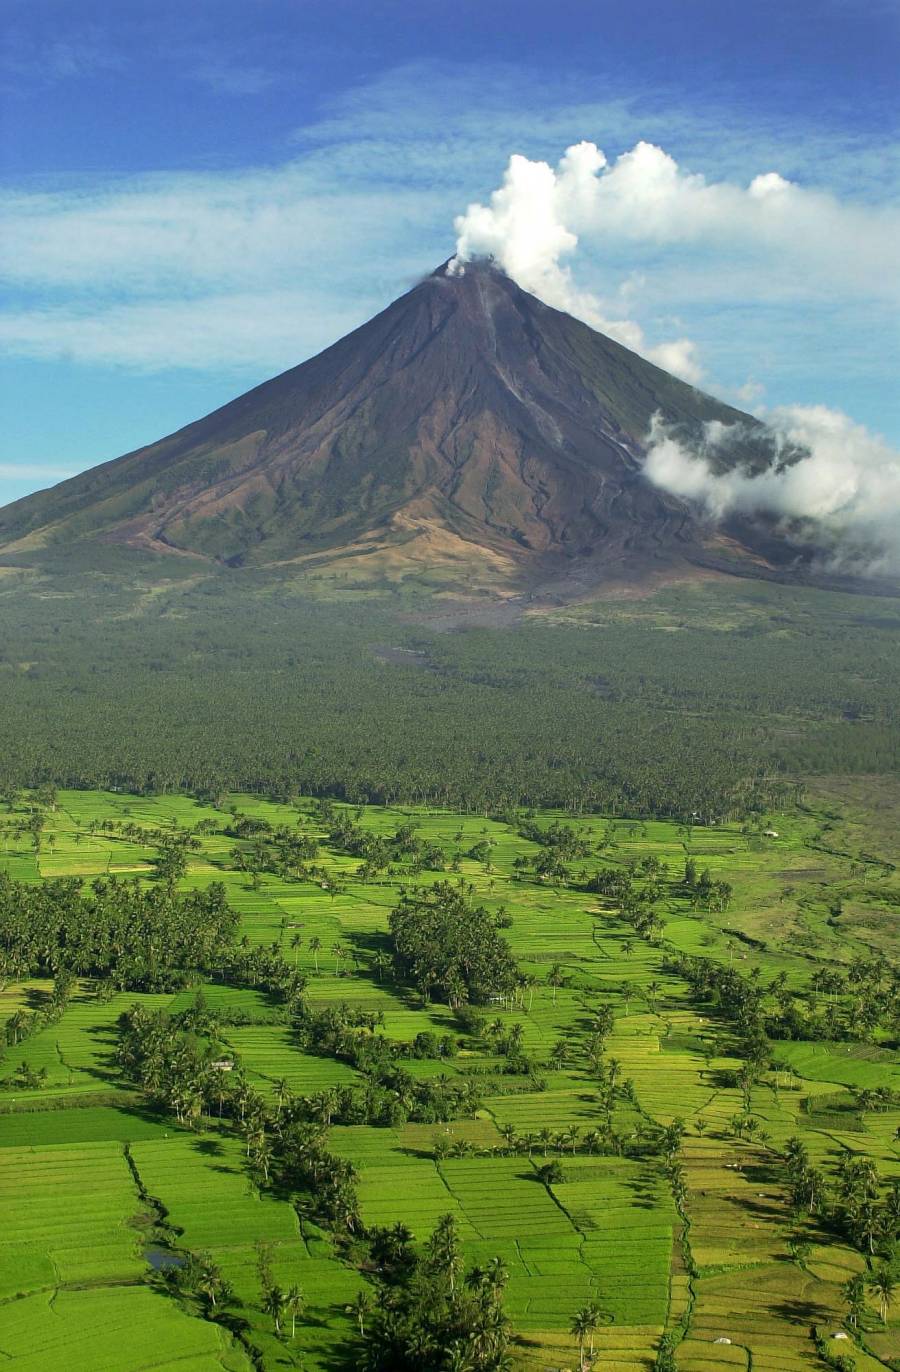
[(71, 1267), (78, 1052), (203, 1185)]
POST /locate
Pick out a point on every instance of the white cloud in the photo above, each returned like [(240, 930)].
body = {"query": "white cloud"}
[(526, 230), (645, 196), (75, 52), (234, 331), (538, 216), (844, 488), (174, 234), (231, 78)]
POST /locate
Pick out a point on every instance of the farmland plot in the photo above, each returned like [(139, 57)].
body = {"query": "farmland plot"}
[(90, 1165)]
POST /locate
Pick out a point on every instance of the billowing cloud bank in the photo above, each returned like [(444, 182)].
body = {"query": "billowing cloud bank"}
[(842, 493), (538, 216), (527, 229)]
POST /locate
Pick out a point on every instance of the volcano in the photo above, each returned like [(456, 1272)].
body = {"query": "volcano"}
[(467, 425)]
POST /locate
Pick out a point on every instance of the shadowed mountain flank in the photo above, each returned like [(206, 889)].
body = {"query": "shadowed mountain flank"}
[(467, 421)]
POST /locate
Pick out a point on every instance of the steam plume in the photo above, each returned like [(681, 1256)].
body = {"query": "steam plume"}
[(527, 229), (535, 220), (843, 489)]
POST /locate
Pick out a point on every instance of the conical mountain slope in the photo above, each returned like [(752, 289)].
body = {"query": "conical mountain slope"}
[(467, 418)]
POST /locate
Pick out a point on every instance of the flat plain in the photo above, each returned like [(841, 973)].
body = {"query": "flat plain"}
[(726, 1266)]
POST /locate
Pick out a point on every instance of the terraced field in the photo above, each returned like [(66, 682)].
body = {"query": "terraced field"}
[(92, 1178)]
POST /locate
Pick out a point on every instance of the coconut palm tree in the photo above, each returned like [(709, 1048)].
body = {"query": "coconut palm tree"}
[(508, 1134), (274, 1301), (883, 1284), (583, 1324), (555, 978), (359, 1308), (853, 1293), (458, 1358), (294, 1303), (210, 1285)]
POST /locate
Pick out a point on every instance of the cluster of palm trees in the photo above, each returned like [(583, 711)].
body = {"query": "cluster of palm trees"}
[(140, 937), (881, 1281), (391, 1094), (281, 1303), (378, 853), (197, 1275), (433, 1313), (857, 1003), (671, 1138), (445, 945), (852, 1200), (22, 1023), (747, 1126), (281, 851)]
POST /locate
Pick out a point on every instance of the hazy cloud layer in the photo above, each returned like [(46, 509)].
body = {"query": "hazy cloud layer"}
[(35, 471), (845, 490), (251, 269)]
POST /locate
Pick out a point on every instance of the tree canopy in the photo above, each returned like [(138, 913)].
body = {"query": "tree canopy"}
[(448, 947)]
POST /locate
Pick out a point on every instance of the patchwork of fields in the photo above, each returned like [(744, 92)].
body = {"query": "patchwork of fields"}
[(91, 1177)]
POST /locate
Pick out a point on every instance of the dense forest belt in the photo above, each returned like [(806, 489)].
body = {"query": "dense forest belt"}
[(709, 696)]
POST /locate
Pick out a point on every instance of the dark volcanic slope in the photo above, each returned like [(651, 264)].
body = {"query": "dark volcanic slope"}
[(467, 406)]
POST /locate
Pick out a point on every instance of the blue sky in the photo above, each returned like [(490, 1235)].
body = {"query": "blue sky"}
[(197, 196)]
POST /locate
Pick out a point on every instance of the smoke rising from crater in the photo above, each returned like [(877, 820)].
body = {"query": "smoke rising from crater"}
[(843, 491), (527, 229), (537, 218)]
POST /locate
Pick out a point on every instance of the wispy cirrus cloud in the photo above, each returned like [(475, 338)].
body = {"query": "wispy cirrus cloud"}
[(254, 268), (75, 51), (232, 78), (231, 331), (35, 471)]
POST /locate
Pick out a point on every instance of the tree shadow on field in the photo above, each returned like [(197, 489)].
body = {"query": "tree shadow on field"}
[(761, 1173), (107, 1039), (803, 1312), (760, 1208), (36, 998), (369, 941), (645, 1189), (210, 1148), (341, 1356)]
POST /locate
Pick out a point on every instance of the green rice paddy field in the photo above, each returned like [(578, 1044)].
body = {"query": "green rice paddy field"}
[(83, 1161)]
